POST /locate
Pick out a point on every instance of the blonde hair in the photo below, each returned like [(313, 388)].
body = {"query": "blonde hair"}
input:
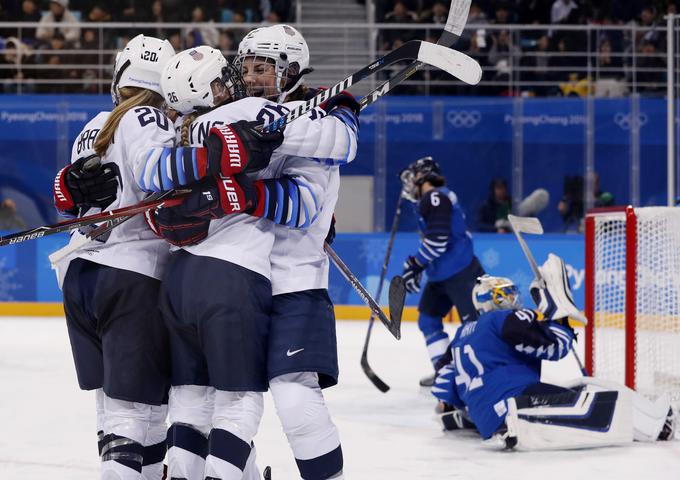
[(186, 123), (131, 97)]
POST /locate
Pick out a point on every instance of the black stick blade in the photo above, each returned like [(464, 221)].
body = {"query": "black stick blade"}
[(375, 380), (397, 297)]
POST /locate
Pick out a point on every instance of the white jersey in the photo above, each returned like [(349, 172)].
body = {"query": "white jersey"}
[(245, 240), (132, 245), (298, 259), (83, 146)]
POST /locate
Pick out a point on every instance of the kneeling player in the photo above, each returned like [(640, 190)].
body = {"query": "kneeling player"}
[(494, 376)]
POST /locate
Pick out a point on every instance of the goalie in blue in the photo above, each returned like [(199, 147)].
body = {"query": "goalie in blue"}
[(445, 254), (491, 376)]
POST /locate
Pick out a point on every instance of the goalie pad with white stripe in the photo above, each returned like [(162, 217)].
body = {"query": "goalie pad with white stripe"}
[(568, 421), (554, 299)]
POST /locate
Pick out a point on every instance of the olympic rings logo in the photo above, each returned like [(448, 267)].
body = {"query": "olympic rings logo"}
[(625, 120), (463, 118)]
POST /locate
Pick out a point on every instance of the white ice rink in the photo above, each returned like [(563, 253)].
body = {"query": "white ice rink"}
[(47, 427)]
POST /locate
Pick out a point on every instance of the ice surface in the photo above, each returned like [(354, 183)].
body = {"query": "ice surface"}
[(47, 425)]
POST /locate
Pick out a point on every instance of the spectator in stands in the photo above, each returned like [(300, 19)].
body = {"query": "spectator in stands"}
[(493, 214), (99, 13), (205, 34), (54, 59), (275, 11), (535, 67), (649, 32), (502, 56), (399, 14), (651, 72), (571, 206), (610, 66), (29, 13), (58, 13), (437, 14), (227, 43), (9, 218), (17, 56), (561, 9)]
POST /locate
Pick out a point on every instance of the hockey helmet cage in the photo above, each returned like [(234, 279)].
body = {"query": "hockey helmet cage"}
[(285, 47), (495, 293)]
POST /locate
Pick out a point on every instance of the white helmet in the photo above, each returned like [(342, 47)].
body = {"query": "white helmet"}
[(140, 64), (188, 77), (286, 47), (495, 293)]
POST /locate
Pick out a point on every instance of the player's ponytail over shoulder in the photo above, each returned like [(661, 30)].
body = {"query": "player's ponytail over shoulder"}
[(186, 123), (131, 97)]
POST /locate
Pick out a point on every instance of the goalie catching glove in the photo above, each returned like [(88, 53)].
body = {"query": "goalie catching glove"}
[(84, 184), (554, 300)]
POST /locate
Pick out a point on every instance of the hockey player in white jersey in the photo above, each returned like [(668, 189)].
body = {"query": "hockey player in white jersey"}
[(302, 353), (494, 376), (109, 339), (218, 340)]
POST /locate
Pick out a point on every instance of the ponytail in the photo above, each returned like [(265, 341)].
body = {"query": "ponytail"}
[(131, 97)]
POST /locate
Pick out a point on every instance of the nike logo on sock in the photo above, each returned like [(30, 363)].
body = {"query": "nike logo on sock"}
[(290, 354)]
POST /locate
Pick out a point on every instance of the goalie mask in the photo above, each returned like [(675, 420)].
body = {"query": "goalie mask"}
[(200, 78), (412, 177), (273, 61), (140, 65), (495, 293)]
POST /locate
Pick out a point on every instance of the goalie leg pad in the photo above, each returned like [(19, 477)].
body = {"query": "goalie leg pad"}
[(568, 421)]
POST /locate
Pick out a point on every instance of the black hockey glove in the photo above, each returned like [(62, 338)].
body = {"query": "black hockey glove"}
[(84, 184), (239, 147), (342, 99), (413, 272), (175, 228)]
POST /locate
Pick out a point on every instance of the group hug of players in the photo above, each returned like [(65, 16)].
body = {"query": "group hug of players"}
[(488, 377), (186, 315)]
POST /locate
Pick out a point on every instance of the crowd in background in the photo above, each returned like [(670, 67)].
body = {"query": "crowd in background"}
[(56, 46), (545, 62), (544, 59)]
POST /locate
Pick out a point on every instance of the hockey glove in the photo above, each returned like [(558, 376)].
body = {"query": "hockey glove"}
[(555, 301), (175, 228), (239, 147), (84, 184), (413, 272), (218, 196), (342, 99)]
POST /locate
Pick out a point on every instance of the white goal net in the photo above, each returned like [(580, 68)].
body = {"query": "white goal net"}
[(633, 297)]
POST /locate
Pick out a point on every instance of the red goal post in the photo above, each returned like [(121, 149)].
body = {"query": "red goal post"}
[(633, 297)]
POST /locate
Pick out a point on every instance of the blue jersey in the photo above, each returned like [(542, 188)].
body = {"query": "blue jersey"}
[(495, 358), (446, 248)]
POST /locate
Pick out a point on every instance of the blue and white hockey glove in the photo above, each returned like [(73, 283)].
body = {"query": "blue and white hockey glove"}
[(413, 272)]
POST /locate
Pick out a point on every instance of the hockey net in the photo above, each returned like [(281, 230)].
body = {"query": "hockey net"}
[(633, 297)]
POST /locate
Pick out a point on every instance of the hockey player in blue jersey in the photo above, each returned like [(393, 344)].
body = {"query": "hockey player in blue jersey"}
[(445, 254), (493, 376)]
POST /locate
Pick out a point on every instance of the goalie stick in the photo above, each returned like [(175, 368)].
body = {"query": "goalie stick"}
[(532, 225), (393, 325), (377, 381)]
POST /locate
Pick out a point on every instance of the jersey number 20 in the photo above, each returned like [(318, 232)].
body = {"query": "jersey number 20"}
[(464, 378)]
